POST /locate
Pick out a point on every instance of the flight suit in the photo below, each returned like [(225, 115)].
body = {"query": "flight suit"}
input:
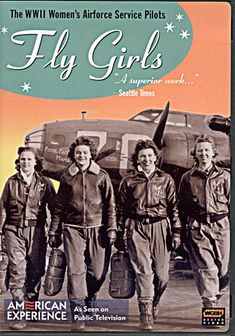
[(22, 219), (85, 205), (148, 214), (204, 205)]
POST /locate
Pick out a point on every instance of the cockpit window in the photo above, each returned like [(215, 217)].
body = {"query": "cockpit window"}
[(58, 139), (35, 139), (174, 119), (177, 120), (141, 118), (147, 115)]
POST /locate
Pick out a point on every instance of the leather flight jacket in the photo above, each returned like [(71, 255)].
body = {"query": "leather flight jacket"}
[(205, 197), (22, 205), (84, 199), (148, 199)]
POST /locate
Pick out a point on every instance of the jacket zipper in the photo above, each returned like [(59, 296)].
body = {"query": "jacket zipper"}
[(147, 195), (84, 198), (207, 193)]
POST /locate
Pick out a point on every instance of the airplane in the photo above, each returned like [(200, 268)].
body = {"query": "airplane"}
[(174, 132)]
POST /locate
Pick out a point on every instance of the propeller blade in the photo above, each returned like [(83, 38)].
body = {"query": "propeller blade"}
[(158, 135), (105, 153)]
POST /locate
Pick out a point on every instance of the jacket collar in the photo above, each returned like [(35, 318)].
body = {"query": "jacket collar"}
[(140, 169), (141, 172), (35, 174), (196, 170), (93, 168), (27, 178)]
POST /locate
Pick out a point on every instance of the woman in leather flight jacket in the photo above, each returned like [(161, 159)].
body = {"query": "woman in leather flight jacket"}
[(148, 219), (22, 222), (204, 197), (85, 206)]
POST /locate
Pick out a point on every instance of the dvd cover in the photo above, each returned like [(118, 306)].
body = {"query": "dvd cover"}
[(117, 73)]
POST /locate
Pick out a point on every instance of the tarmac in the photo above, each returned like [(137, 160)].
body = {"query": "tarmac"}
[(180, 310)]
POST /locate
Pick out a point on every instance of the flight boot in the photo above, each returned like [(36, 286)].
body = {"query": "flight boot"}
[(77, 315), (90, 303), (17, 325), (156, 308), (209, 303), (146, 314), (18, 299)]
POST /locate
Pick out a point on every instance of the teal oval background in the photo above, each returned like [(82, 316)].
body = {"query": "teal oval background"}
[(45, 82)]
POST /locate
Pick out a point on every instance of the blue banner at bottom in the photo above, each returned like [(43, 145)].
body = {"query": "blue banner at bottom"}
[(58, 311)]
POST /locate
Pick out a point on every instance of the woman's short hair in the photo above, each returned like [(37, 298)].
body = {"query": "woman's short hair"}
[(38, 166), (83, 141), (204, 138), (145, 144)]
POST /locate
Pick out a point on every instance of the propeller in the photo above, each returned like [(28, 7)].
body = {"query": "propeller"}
[(219, 123), (105, 153), (158, 135)]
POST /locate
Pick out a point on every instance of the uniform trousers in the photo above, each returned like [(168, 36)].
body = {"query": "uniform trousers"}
[(149, 249), (26, 250), (87, 254), (209, 246)]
